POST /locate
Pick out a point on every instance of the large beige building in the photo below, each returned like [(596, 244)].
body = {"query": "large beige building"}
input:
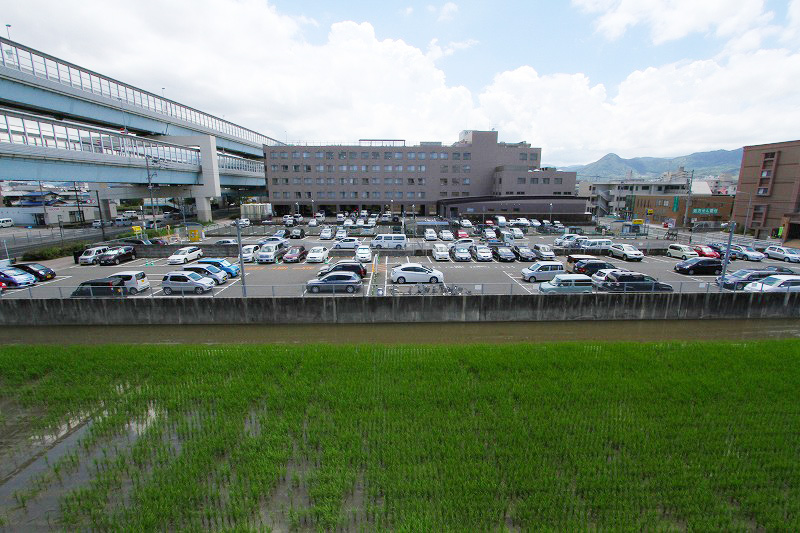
[(768, 195), (380, 175)]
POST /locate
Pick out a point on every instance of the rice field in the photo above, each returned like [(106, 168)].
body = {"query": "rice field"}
[(526, 437)]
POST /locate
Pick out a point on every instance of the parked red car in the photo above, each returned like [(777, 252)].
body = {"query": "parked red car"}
[(2, 287), (706, 251), (461, 234)]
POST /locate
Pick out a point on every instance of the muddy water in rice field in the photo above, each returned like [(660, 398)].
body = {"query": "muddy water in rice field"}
[(427, 333)]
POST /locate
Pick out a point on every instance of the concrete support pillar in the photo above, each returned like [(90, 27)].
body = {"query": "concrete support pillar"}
[(203, 205), (108, 208)]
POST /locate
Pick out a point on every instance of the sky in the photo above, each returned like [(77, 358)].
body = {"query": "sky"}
[(577, 78)]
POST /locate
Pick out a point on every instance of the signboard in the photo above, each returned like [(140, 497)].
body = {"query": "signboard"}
[(137, 229), (705, 211), (638, 221), (194, 235), (649, 211), (676, 204)]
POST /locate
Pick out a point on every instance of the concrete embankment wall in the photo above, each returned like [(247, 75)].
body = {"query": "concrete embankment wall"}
[(391, 309)]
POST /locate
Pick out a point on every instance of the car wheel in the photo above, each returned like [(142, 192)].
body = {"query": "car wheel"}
[(532, 279), (186, 260), (691, 272), (116, 261), (133, 257), (401, 280), (684, 258), (337, 247), (434, 279), (785, 259), (198, 290), (167, 291), (398, 247), (717, 272), (350, 289), (315, 289), (132, 291), (378, 246)]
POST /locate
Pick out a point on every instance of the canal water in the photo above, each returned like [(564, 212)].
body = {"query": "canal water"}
[(427, 333)]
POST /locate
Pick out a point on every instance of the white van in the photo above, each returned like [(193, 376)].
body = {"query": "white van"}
[(122, 221), (133, 281), (596, 244), (501, 221), (6, 223), (389, 240)]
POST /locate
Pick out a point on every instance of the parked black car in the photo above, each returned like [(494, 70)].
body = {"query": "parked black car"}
[(345, 266), (40, 272), (114, 287), (721, 248), (777, 269), (700, 265), (633, 282), (145, 242), (523, 253), (117, 255), (736, 281), (297, 233), (591, 266), (503, 253)]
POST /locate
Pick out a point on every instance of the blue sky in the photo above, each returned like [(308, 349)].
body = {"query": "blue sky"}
[(580, 79)]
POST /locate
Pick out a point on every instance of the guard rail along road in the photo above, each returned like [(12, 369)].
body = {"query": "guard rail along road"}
[(391, 309)]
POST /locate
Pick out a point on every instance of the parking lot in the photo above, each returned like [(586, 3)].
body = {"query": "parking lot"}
[(289, 280)]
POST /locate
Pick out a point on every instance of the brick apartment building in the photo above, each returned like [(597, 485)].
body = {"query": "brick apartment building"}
[(671, 209), (768, 194), (387, 175)]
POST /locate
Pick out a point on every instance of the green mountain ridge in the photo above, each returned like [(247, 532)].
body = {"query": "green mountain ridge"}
[(612, 166)]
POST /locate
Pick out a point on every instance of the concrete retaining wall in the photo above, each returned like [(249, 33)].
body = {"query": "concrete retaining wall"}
[(388, 309)]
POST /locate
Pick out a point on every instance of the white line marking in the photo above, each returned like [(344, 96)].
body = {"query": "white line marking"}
[(57, 278), (518, 282)]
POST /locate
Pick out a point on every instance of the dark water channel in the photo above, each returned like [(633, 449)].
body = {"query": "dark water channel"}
[(493, 332)]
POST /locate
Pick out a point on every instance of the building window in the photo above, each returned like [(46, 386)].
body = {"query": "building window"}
[(443, 194), (308, 181), (376, 168), (388, 181), (284, 155), (556, 193), (376, 155), (410, 181), (307, 168), (364, 168), (274, 181), (557, 181), (328, 155), (353, 155), (276, 194), (534, 181), (306, 155), (534, 156), (412, 155), (467, 156), (421, 181), (320, 194), (443, 155), (467, 181), (398, 181), (398, 168), (398, 155), (285, 195), (421, 194), (331, 194), (285, 168), (295, 181), (342, 168), (464, 193), (523, 156), (466, 168), (455, 181), (320, 181), (422, 168), (387, 155), (520, 192), (546, 181), (273, 155), (364, 194), (387, 168), (364, 155), (421, 155), (342, 194), (387, 194), (331, 181), (443, 181), (456, 156), (364, 181), (398, 194), (352, 168), (520, 181), (295, 155), (295, 168), (456, 169), (762, 191), (319, 155), (412, 168), (320, 168), (329, 168)]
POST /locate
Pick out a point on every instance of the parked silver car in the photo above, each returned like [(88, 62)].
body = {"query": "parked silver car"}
[(183, 281)]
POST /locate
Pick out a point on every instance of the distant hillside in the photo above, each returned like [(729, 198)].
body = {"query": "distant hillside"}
[(703, 163)]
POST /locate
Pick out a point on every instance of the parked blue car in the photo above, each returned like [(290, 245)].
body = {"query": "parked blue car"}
[(14, 277), (222, 264)]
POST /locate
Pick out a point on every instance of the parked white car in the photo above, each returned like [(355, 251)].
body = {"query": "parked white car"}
[(430, 234), (348, 222), (465, 223), (446, 235), (542, 271), (441, 252), (348, 243), (363, 254), (318, 254), (135, 281), (784, 253), (566, 239), (249, 252), (681, 251), (416, 273), (778, 283), (326, 233), (340, 234), (516, 233), (627, 252), (535, 223), (184, 255)]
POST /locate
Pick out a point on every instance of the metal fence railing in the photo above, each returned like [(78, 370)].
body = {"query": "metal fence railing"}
[(234, 289)]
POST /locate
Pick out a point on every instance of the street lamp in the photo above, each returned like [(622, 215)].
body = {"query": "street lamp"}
[(150, 176), (551, 213), (313, 212), (297, 205)]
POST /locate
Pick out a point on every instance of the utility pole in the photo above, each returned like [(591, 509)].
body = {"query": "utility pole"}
[(100, 211), (727, 251), (78, 200), (241, 258), (44, 209), (747, 214), (150, 187), (688, 201)]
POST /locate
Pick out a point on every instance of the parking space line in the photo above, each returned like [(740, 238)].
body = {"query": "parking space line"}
[(518, 282), (57, 278), (232, 283)]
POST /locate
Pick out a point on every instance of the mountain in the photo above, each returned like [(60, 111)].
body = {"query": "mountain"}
[(703, 164)]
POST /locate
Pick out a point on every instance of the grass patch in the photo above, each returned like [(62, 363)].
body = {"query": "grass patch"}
[(571, 436), (54, 252)]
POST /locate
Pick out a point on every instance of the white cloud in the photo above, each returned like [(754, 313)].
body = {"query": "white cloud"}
[(447, 12), (435, 51), (674, 19), (408, 11), (247, 61)]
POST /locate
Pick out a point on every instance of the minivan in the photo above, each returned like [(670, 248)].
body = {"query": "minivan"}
[(596, 244), (542, 271), (271, 252), (122, 221), (182, 281), (389, 240), (501, 221), (133, 281), (91, 256), (100, 287), (567, 283), (574, 258), (6, 223)]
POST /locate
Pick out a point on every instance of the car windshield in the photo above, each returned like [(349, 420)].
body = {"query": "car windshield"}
[(181, 252), (294, 250), (316, 250), (749, 248), (628, 248), (771, 281), (792, 251), (195, 276), (524, 249), (505, 250), (213, 269), (483, 249), (461, 250), (268, 249), (740, 273), (37, 266), (12, 272), (363, 249), (224, 262), (544, 248)]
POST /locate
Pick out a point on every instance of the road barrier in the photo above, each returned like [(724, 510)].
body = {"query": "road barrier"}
[(393, 309)]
